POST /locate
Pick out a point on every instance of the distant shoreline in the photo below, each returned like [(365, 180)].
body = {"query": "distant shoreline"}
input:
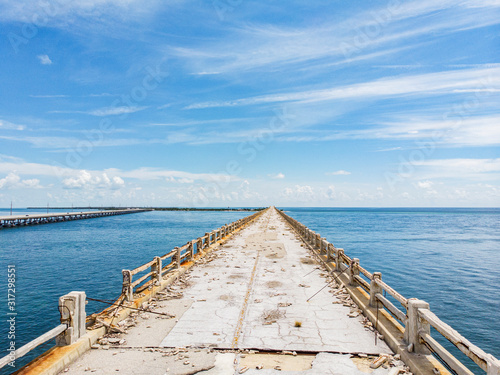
[(149, 208)]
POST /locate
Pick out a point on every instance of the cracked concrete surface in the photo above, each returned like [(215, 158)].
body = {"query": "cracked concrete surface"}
[(283, 281), (252, 294)]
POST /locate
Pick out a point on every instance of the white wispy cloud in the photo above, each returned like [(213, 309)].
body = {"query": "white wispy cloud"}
[(107, 111), (459, 168), (421, 84), (454, 130), (425, 184), (366, 33), (10, 126), (112, 111), (67, 143), (146, 173), (50, 96), (63, 11), (277, 176), (338, 173), (44, 59), (390, 149)]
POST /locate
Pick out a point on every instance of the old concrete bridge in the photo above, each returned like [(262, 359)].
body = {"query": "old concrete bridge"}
[(36, 219), (262, 295)]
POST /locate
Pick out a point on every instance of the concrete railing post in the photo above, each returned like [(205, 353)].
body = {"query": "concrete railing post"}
[(207, 240), (72, 309), (354, 271), (375, 289), (127, 289), (338, 260), (317, 242), (156, 270), (177, 257), (329, 251), (191, 249), (415, 325), (493, 368)]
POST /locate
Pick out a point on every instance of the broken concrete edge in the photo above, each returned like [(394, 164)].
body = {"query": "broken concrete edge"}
[(56, 359), (386, 325)]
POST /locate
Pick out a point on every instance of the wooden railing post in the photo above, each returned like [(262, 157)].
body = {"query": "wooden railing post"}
[(415, 326), (375, 289), (207, 240), (72, 309), (127, 289), (354, 271), (156, 270), (338, 260), (317, 242)]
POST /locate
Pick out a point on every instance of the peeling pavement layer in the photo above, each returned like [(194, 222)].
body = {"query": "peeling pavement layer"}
[(244, 307)]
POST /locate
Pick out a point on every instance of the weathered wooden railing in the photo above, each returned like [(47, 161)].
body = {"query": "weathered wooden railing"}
[(175, 258), (416, 317), (72, 327)]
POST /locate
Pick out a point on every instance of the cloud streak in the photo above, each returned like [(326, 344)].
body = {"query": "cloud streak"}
[(422, 84), (6, 125), (370, 33), (107, 111)]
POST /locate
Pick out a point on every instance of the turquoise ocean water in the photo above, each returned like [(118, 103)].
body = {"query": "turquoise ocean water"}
[(448, 257)]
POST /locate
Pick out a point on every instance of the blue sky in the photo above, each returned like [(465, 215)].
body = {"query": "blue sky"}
[(253, 103)]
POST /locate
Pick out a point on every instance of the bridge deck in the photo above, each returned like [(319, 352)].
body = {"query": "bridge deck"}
[(241, 306)]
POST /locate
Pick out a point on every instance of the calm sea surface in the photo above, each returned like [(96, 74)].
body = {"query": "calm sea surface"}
[(88, 255), (447, 257)]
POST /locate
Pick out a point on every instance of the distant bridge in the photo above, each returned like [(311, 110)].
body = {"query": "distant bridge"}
[(25, 220)]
